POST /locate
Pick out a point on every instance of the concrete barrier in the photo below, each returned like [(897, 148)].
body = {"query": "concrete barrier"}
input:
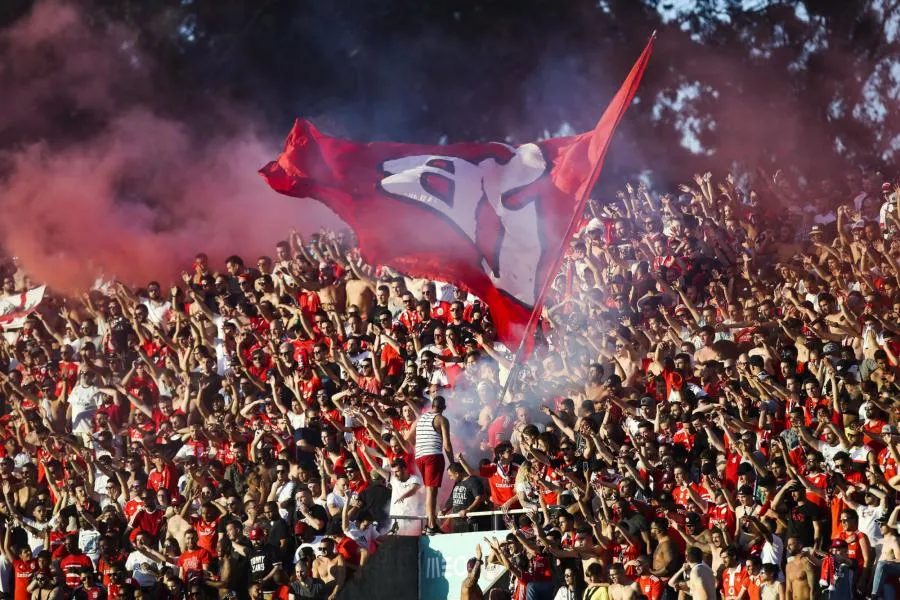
[(392, 573)]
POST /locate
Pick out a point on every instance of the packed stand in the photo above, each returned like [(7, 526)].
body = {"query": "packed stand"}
[(710, 412)]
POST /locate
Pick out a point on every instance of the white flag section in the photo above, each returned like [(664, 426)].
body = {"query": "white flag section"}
[(15, 309)]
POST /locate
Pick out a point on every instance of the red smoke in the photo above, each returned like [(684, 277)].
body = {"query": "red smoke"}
[(137, 197)]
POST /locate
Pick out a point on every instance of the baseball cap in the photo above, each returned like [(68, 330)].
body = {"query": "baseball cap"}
[(815, 229), (831, 348), (256, 534), (838, 544), (647, 401)]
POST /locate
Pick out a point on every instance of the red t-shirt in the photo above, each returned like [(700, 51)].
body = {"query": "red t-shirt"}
[(71, 567), (165, 479), (192, 561), (651, 586), (734, 581), (104, 566), (501, 481), (23, 571), (148, 522), (722, 517), (207, 532)]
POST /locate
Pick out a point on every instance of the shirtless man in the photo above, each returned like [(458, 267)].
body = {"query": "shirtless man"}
[(706, 352), (665, 555), (800, 574), (470, 588), (583, 548), (888, 564), (330, 568), (695, 577), (332, 291), (593, 387), (621, 587)]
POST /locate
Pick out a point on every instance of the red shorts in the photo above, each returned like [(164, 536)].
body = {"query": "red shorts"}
[(431, 468)]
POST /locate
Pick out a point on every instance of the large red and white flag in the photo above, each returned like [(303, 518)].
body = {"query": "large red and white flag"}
[(14, 310), (490, 218)]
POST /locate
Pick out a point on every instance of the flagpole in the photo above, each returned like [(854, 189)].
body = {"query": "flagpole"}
[(530, 329)]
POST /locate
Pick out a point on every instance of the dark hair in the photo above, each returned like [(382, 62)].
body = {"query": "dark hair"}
[(594, 570), (756, 361), (693, 555)]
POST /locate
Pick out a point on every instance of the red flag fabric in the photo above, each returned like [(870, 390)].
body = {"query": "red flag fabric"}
[(490, 218)]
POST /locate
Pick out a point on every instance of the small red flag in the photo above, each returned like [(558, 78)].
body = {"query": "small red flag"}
[(490, 218)]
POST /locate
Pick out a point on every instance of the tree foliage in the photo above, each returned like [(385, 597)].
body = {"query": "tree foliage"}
[(789, 83)]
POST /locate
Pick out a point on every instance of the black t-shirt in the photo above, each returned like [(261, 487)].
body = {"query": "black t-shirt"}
[(280, 531), (465, 492), (313, 437), (800, 522), (311, 589), (317, 512), (376, 499), (262, 560)]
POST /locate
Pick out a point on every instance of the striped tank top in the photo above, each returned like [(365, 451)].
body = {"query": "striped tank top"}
[(428, 441)]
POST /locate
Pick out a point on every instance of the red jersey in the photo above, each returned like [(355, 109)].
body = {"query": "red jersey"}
[(681, 495), (163, 480), (147, 522), (651, 586), (441, 311), (309, 303), (854, 547), (132, 507), (723, 517), (308, 387), (23, 571), (734, 581), (207, 532), (502, 482), (887, 463), (71, 567), (97, 592), (105, 566), (409, 319), (192, 561), (684, 439)]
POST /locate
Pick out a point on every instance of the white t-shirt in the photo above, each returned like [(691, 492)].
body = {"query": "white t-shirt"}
[(157, 312), (335, 500), (412, 506), (89, 542), (773, 551), (828, 451), (868, 517), (83, 401), (36, 541), (364, 538), (285, 493), (135, 561)]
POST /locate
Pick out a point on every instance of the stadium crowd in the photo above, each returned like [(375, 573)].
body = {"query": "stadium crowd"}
[(711, 413)]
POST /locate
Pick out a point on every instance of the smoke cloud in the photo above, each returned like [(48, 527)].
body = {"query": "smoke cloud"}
[(97, 179)]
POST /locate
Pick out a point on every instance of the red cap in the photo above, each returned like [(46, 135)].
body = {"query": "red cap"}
[(256, 534)]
